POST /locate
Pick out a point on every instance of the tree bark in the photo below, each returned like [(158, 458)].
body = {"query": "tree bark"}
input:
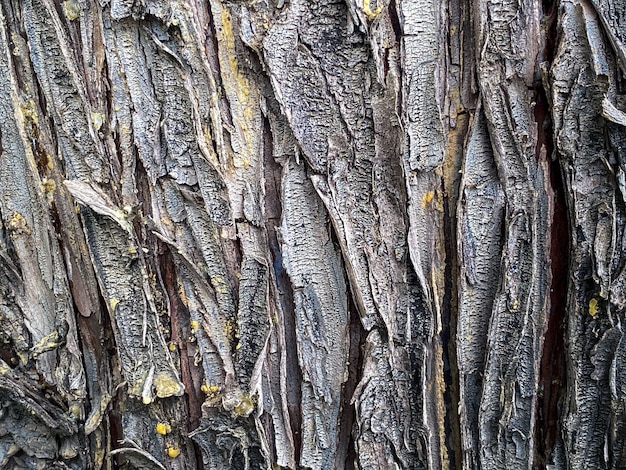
[(312, 234)]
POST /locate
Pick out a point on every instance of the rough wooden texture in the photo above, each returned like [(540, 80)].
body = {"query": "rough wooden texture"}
[(312, 234), (590, 139)]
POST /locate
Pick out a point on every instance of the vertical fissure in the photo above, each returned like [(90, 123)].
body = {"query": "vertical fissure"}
[(448, 333), (355, 368), (553, 366), (461, 99)]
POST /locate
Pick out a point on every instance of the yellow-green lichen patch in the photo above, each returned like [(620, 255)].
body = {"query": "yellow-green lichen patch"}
[(210, 390), (367, 9), (29, 111), (71, 9), (244, 407), (97, 119), (48, 185), (113, 302), (47, 343), (593, 307), (17, 224), (167, 386)]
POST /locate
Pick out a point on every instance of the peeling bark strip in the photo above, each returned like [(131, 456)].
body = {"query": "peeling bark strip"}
[(518, 321), (586, 86), (234, 235), (321, 306), (480, 219)]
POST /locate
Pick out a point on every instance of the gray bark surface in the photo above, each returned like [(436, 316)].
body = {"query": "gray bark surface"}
[(312, 234)]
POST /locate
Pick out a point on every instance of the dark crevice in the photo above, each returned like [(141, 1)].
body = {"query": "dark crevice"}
[(552, 375), (395, 21), (355, 367), (448, 339), (553, 367), (191, 375), (456, 62)]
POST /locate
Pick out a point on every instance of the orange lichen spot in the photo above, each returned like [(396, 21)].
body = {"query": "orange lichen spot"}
[(428, 198), (593, 307), (173, 452), (163, 428)]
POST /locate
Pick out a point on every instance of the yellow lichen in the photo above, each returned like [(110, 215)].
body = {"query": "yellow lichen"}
[(173, 452), (17, 223), (48, 185), (171, 346), (593, 307), (97, 119), (367, 9), (29, 111), (47, 343), (75, 412), (14, 40), (163, 428), (244, 407), (182, 294), (219, 284), (113, 302), (427, 198), (71, 9), (167, 386), (194, 325), (212, 391), (239, 91), (230, 328)]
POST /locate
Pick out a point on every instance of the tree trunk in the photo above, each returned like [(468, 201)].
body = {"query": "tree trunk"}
[(312, 234)]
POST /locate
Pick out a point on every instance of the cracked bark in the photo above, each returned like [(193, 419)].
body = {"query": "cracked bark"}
[(343, 234)]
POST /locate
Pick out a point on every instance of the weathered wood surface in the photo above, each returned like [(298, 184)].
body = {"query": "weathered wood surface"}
[(312, 234)]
